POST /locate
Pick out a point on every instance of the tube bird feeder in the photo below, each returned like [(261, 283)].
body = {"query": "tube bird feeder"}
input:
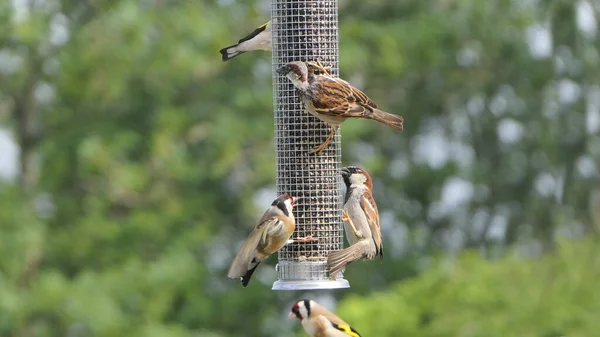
[(305, 30)]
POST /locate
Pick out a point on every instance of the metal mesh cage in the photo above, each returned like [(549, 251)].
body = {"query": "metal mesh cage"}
[(306, 31)]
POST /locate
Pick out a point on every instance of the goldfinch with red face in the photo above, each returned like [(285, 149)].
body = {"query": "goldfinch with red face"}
[(271, 233), (259, 39), (361, 222), (320, 322)]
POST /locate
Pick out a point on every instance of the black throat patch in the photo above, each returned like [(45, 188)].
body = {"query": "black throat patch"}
[(307, 305)]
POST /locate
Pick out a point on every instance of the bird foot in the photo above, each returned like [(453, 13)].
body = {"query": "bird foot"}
[(346, 217), (320, 148), (306, 239)]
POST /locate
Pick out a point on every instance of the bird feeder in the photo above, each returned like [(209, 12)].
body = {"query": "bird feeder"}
[(305, 30)]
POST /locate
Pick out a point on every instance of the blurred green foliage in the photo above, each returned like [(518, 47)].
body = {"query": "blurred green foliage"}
[(549, 296), (144, 160)]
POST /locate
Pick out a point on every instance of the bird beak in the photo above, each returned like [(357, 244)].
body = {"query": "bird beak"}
[(291, 315), (283, 70), (345, 172), (295, 200)]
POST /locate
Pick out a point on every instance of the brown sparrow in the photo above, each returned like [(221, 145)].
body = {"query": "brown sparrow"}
[(320, 322), (362, 222), (259, 39), (333, 100), (272, 232)]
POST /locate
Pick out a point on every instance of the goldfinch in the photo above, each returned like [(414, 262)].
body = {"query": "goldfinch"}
[(319, 322), (361, 222), (271, 233), (259, 39)]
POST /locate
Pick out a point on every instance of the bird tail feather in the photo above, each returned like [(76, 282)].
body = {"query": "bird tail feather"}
[(388, 119), (338, 260), (230, 52), (246, 277), (247, 258)]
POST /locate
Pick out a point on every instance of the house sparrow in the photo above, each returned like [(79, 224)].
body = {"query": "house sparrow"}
[(259, 39), (272, 232), (320, 322), (362, 222), (333, 100)]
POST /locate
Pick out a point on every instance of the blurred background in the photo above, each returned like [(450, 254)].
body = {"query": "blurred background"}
[(133, 161)]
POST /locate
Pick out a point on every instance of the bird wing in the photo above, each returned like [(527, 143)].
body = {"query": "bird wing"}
[(369, 206), (325, 328), (360, 104), (276, 234), (245, 257), (254, 33), (341, 98), (333, 96), (346, 329), (361, 98)]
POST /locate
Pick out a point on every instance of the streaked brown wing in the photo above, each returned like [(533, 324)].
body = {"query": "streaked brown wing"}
[(333, 98), (360, 104), (342, 99), (370, 208), (361, 98)]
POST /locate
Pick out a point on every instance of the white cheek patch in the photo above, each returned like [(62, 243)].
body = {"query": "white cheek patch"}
[(297, 83), (303, 311), (293, 77), (288, 206), (358, 179)]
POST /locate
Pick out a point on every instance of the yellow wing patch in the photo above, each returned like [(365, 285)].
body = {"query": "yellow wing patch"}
[(348, 330)]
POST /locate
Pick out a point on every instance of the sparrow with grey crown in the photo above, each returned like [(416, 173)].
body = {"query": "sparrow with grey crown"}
[(333, 100), (361, 222)]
